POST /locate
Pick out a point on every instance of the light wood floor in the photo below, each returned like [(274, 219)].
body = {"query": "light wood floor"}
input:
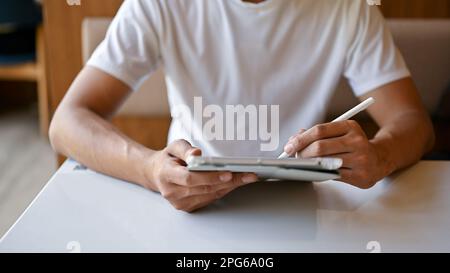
[(26, 163)]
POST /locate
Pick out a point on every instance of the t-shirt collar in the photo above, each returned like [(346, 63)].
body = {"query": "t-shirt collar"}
[(257, 7)]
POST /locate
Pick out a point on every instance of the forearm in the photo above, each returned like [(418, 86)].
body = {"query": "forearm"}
[(93, 141), (403, 141)]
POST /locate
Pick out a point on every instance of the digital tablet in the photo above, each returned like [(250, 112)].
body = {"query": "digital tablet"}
[(304, 169)]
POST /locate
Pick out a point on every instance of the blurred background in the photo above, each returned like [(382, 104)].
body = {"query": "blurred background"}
[(43, 45)]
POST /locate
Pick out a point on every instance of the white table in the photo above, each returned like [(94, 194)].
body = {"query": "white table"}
[(83, 210)]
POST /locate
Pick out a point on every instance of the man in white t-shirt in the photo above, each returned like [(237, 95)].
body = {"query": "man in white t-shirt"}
[(256, 54)]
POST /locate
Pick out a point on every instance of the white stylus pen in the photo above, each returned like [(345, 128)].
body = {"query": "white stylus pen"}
[(347, 115)]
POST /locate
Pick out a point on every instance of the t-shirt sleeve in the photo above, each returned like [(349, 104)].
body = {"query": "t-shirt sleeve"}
[(372, 58), (130, 51)]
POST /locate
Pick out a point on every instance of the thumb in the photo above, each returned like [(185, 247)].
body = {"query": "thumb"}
[(182, 149)]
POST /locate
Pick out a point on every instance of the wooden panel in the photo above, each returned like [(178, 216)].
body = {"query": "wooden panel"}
[(42, 83), (63, 41), (416, 8), (149, 131), (154, 135), (63, 34), (23, 72)]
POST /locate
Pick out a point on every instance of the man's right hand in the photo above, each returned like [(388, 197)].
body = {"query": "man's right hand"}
[(187, 190)]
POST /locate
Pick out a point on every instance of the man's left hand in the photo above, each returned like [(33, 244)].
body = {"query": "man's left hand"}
[(362, 165)]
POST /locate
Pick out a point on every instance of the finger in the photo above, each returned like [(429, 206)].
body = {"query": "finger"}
[(348, 160), (301, 131), (345, 175), (223, 193), (180, 175), (185, 192), (214, 178), (182, 149), (219, 195), (320, 131), (195, 202), (327, 147)]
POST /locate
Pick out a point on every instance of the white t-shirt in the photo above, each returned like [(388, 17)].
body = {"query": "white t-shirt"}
[(282, 56)]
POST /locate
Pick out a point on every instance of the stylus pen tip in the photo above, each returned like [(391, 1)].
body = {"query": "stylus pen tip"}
[(283, 155)]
